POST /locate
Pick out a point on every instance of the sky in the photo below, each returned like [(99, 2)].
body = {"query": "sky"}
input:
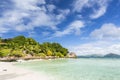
[(83, 26)]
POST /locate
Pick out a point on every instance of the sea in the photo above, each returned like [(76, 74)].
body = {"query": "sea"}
[(76, 69)]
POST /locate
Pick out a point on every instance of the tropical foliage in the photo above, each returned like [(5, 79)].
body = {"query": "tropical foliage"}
[(21, 46)]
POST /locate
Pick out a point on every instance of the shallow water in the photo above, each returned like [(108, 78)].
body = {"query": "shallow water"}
[(77, 69)]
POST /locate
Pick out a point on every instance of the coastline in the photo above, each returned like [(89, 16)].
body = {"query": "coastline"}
[(15, 59), (8, 71)]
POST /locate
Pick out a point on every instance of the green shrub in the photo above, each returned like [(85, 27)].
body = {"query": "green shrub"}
[(42, 55), (58, 54), (17, 53), (4, 52)]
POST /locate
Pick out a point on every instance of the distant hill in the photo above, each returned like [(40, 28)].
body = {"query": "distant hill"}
[(91, 56), (110, 55)]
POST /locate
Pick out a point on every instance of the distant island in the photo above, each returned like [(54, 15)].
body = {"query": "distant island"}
[(21, 47), (110, 55)]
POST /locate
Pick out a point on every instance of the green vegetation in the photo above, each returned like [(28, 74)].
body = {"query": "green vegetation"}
[(21, 46)]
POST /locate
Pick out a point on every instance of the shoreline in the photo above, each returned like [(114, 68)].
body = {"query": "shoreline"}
[(8, 71), (28, 59), (15, 59)]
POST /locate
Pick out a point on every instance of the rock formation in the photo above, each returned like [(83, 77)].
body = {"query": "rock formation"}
[(72, 55)]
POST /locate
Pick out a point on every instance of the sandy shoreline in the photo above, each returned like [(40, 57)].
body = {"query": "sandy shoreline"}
[(10, 72)]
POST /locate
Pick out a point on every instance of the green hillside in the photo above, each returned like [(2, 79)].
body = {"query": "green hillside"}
[(21, 46)]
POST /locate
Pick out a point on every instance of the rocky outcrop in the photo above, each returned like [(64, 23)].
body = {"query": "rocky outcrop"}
[(71, 55)]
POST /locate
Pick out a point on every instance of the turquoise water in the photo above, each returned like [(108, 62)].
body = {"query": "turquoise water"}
[(77, 69)]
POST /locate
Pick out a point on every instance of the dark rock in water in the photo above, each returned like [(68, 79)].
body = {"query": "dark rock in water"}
[(72, 55)]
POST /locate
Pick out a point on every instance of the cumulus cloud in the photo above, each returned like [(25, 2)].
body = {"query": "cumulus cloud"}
[(97, 12), (103, 41), (51, 7), (28, 4), (74, 27), (29, 14), (97, 47), (107, 31)]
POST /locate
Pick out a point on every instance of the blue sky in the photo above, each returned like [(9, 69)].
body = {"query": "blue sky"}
[(82, 26)]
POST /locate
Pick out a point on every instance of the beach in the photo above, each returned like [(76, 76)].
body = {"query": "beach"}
[(10, 72)]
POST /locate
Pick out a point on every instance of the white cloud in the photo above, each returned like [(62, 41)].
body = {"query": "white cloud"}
[(102, 5), (107, 31), (3, 30), (74, 27), (63, 14), (28, 4), (97, 13), (97, 47), (101, 41), (79, 5), (27, 15), (51, 8)]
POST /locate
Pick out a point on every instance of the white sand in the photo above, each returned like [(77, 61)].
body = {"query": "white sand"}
[(15, 73)]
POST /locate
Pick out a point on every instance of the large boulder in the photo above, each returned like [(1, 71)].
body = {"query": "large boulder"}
[(72, 55)]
